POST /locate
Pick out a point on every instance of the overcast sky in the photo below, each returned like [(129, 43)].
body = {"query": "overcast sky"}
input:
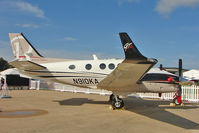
[(163, 29)]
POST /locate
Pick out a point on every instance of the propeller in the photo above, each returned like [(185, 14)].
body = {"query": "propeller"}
[(179, 93), (181, 79), (180, 69)]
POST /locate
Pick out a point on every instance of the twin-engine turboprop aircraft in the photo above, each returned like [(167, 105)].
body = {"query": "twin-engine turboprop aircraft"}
[(122, 77)]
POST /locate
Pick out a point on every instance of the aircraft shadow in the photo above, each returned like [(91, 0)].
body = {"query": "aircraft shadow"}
[(149, 108), (79, 102), (158, 112)]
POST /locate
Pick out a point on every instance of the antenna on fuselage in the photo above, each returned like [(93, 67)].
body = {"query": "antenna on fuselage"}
[(180, 68), (95, 57)]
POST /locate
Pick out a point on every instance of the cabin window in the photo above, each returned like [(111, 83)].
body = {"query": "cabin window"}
[(88, 66), (71, 67), (111, 66), (102, 66)]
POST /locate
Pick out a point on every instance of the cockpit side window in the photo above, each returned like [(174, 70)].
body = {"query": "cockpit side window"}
[(159, 77)]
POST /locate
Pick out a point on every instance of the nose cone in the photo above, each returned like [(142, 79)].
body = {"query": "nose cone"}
[(170, 80)]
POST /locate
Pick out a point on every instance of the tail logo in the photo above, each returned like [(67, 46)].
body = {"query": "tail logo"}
[(128, 46)]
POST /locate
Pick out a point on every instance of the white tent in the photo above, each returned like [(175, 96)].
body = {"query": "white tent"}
[(12, 71), (9, 71), (192, 74)]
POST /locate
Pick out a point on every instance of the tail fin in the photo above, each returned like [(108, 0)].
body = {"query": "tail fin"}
[(130, 50), (22, 48)]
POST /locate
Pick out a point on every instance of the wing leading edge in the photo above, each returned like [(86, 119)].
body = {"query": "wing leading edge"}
[(126, 76)]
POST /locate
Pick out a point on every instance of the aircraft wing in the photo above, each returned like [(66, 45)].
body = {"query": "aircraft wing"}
[(26, 65), (126, 76)]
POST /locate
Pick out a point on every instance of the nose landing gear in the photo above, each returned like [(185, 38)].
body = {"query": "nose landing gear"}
[(177, 99)]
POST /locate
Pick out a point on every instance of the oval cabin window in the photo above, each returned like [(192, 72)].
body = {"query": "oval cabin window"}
[(111, 66), (88, 66), (71, 67), (102, 66)]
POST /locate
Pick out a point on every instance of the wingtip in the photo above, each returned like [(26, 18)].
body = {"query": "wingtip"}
[(152, 60), (122, 33)]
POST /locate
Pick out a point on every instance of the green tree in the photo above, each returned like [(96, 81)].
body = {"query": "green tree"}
[(4, 64)]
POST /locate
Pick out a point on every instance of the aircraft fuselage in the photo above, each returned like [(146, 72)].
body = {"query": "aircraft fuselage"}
[(88, 73)]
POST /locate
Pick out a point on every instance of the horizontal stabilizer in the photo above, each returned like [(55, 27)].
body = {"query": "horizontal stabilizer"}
[(26, 65)]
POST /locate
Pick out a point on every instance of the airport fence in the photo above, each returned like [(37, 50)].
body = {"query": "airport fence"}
[(39, 84), (34, 84), (189, 93), (75, 89)]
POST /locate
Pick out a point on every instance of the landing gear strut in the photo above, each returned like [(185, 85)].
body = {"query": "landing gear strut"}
[(111, 98), (116, 102)]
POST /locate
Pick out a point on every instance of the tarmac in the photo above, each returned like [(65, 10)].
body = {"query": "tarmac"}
[(64, 112)]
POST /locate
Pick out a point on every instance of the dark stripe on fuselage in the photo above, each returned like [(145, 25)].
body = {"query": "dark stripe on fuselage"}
[(162, 82), (69, 77), (159, 77), (66, 72), (150, 77)]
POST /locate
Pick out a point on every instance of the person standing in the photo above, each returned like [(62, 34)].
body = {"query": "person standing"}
[(2, 82)]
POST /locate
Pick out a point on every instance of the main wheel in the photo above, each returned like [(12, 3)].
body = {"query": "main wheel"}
[(118, 104), (175, 100)]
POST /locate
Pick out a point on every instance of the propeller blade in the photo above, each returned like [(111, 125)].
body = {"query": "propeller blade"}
[(180, 68)]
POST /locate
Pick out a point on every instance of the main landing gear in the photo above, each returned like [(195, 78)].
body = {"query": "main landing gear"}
[(116, 102)]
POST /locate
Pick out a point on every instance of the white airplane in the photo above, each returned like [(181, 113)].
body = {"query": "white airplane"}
[(121, 76)]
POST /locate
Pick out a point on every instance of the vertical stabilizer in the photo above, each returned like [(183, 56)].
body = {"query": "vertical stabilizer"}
[(130, 50), (22, 48)]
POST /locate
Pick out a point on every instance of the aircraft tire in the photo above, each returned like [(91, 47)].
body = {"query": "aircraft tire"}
[(118, 104), (176, 101)]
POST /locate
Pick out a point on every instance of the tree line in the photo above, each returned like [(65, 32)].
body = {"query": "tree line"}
[(4, 64)]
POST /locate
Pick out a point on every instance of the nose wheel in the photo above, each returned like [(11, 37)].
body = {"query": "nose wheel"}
[(116, 102), (177, 99)]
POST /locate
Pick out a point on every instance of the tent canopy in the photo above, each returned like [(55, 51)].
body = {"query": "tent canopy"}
[(192, 74), (12, 71)]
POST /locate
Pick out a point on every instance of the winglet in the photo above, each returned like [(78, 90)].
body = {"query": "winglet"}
[(130, 50)]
